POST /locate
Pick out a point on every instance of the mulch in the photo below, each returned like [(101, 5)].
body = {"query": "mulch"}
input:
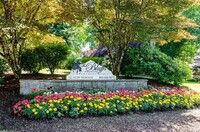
[(180, 120)]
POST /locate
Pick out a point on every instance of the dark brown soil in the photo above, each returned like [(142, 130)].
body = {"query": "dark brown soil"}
[(181, 120)]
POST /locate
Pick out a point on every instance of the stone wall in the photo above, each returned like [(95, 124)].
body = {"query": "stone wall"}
[(63, 85)]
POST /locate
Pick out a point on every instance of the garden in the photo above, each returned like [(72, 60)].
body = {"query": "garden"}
[(154, 40)]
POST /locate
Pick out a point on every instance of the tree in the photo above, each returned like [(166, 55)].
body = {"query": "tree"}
[(76, 37), (20, 20), (120, 22), (194, 13), (184, 50)]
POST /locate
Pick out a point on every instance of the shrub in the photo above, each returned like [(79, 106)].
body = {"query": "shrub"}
[(52, 54), (122, 101), (184, 50), (3, 67), (31, 61), (151, 61), (69, 62), (1, 81), (98, 60)]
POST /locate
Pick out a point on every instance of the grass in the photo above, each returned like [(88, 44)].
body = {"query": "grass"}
[(193, 85), (57, 71)]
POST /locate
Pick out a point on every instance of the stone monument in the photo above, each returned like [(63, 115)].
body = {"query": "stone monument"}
[(90, 71), (83, 76)]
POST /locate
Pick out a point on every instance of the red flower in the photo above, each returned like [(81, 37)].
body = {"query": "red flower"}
[(33, 89)]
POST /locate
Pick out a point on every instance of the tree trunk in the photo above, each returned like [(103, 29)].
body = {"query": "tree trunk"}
[(116, 60), (12, 50)]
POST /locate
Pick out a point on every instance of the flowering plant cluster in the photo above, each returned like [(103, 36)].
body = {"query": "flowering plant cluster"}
[(121, 101), (36, 92)]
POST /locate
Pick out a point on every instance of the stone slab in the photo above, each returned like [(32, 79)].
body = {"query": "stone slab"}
[(63, 85), (90, 71)]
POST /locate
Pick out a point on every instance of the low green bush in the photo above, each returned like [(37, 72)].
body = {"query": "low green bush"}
[(68, 62), (147, 60), (31, 61), (3, 66), (52, 54)]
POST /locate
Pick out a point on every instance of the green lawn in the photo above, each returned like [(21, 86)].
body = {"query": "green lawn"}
[(193, 85), (57, 71)]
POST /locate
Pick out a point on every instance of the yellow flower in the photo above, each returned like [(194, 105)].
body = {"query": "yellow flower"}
[(51, 105), (85, 108), (90, 104), (107, 107), (78, 108), (33, 110), (111, 112), (65, 107), (71, 97), (78, 105), (43, 102), (47, 111), (55, 109), (35, 113), (37, 105), (79, 98), (40, 107), (50, 109), (84, 104), (100, 107), (50, 101), (89, 98), (82, 111)]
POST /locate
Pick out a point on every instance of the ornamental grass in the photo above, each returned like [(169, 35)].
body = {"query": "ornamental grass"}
[(74, 104)]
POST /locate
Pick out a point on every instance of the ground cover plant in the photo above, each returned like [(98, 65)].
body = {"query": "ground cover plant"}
[(74, 104)]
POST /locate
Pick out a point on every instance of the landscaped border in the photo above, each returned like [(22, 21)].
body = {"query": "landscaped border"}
[(74, 104)]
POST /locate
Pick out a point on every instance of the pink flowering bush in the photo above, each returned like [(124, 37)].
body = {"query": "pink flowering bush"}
[(74, 104)]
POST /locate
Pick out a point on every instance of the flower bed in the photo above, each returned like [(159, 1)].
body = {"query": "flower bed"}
[(74, 104)]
